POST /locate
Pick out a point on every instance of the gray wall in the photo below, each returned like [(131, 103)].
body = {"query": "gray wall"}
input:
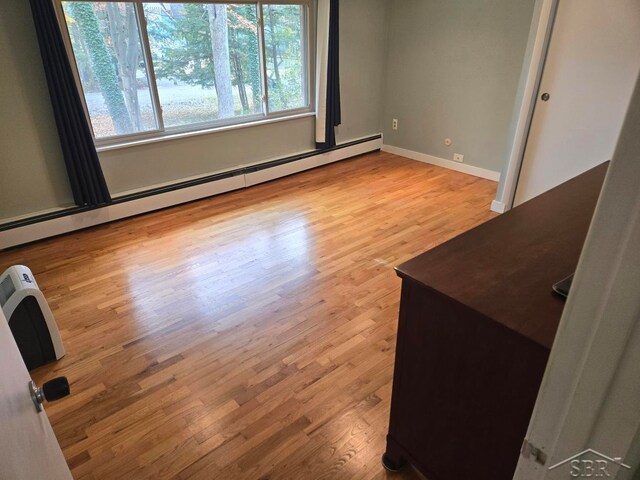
[(363, 53), (33, 177), (132, 168), (452, 71), (444, 69), (32, 174)]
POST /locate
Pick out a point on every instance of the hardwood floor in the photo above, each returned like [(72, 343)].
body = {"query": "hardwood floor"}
[(249, 335)]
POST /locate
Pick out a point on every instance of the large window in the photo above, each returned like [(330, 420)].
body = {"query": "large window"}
[(153, 68)]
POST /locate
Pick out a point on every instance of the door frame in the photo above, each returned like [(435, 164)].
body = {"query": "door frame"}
[(544, 14)]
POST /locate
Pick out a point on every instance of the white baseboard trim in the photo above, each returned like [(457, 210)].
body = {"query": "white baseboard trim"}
[(441, 162), (498, 207), (77, 221)]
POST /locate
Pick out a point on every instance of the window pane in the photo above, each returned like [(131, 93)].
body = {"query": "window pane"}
[(284, 43), (206, 60), (106, 45)]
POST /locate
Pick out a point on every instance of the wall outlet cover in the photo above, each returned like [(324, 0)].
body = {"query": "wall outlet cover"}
[(458, 157)]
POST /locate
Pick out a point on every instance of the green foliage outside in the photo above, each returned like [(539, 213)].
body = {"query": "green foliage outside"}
[(180, 37), (283, 44), (181, 41), (102, 64)]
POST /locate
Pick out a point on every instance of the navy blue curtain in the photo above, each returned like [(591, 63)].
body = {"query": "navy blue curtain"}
[(81, 159), (333, 118)]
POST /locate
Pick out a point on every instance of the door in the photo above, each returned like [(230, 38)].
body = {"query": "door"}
[(28, 447), (589, 74), (586, 421)]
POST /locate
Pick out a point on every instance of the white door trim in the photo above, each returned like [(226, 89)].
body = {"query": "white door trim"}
[(530, 85)]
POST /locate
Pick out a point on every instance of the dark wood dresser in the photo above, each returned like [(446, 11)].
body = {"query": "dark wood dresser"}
[(477, 321)]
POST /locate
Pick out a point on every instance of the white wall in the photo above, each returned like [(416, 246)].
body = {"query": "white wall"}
[(590, 71)]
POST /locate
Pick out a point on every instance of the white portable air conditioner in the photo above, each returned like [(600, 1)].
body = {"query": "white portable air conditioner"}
[(30, 318)]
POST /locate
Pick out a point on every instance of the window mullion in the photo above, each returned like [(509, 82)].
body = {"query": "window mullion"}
[(263, 60), (304, 47), (146, 51)]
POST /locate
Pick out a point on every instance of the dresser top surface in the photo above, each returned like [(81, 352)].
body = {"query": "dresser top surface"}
[(506, 267)]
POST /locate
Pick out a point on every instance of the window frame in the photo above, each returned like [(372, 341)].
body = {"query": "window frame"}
[(162, 132)]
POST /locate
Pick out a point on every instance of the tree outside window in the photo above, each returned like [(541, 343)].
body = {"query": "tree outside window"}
[(205, 63)]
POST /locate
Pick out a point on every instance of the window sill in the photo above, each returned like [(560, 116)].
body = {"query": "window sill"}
[(177, 135)]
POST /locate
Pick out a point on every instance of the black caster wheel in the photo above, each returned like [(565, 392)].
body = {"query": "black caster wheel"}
[(390, 465)]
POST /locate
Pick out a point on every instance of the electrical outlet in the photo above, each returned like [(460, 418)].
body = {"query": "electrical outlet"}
[(458, 157), (447, 142), (394, 124)]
